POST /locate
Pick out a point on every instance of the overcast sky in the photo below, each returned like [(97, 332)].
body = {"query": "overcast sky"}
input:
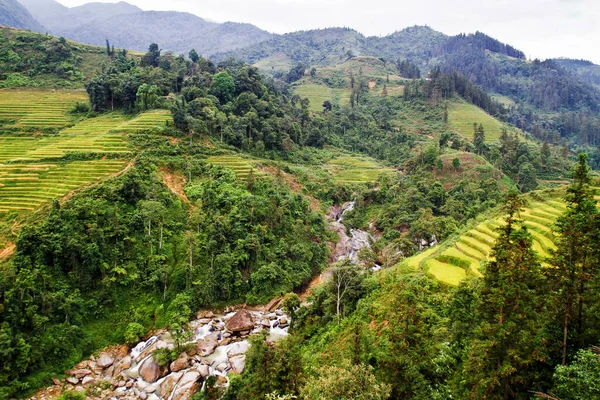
[(540, 28)]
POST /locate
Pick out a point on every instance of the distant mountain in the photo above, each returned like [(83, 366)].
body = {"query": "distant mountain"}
[(13, 14), (491, 64), (330, 46), (127, 26), (586, 70)]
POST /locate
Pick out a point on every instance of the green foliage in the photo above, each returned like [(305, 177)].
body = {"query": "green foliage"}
[(223, 87), (30, 59), (348, 382), (578, 380), (508, 343), (134, 332), (71, 396), (268, 369), (573, 277)]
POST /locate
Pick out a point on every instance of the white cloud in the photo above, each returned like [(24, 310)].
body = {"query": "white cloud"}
[(540, 28)]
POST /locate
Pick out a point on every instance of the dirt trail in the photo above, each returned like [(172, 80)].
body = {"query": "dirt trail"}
[(8, 251), (174, 181)]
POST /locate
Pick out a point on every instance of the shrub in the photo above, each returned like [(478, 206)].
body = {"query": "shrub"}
[(134, 332), (80, 108)]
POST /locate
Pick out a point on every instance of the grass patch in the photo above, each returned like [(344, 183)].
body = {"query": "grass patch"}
[(462, 116), (351, 169), (318, 93)]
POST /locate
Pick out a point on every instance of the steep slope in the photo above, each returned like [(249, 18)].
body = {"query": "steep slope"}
[(13, 14), (127, 26)]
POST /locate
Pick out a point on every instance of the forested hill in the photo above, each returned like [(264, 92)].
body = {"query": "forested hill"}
[(13, 14), (127, 26), (587, 70), (495, 66)]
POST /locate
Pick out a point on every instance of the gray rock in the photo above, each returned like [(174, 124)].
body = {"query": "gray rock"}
[(79, 373), (88, 380), (222, 367), (105, 361), (238, 363), (150, 370), (169, 383), (204, 370), (208, 345), (238, 348), (122, 365), (150, 389), (188, 385), (241, 321), (73, 380), (266, 323), (180, 364)]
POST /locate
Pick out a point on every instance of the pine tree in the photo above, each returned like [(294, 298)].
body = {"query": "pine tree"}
[(576, 260), (479, 138), (508, 340), (546, 155)]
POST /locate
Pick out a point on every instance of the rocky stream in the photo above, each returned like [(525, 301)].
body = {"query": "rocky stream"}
[(218, 346)]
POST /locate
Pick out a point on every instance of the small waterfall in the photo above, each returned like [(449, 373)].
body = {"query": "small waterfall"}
[(140, 347)]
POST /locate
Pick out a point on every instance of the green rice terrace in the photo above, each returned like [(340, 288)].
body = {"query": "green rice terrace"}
[(462, 116), (26, 187), (351, 169), (241, 166), (461, 256), (40, 109), (30, 172)]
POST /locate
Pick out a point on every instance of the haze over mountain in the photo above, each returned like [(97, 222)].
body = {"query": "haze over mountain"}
[(127, 26), (12, 13)]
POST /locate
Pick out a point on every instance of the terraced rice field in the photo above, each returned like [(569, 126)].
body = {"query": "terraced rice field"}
[(351, 169), (237, 164), (29, 175), (148, 120), (26, 187), (453, 262), (462, 116), (40, 109)]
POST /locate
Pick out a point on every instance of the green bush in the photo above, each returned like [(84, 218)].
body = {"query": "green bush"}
[(134, 332), (71, 396)]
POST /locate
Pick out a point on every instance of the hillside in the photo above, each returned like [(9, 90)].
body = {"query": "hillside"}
[(129, 27), (13, 14), (586, 70), (29, 59), (462, 255)]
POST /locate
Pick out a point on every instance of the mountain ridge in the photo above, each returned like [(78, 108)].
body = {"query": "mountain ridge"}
[(127, 26), (14, 14)]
